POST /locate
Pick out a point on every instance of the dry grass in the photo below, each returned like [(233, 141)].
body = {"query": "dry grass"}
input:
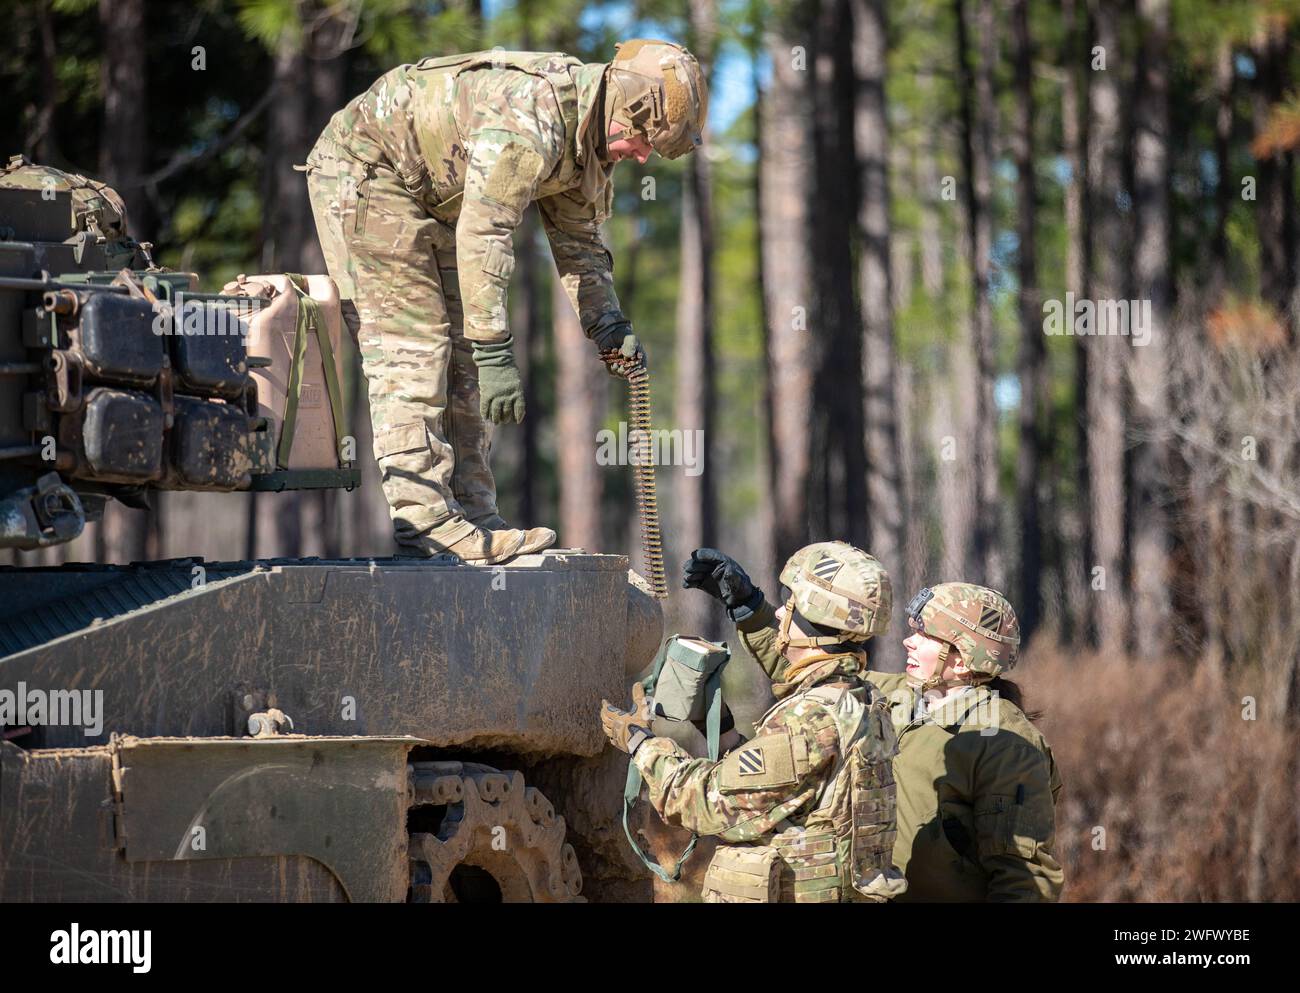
[(1197, 803)]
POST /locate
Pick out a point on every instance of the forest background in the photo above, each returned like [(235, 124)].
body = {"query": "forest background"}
[(860, 294)]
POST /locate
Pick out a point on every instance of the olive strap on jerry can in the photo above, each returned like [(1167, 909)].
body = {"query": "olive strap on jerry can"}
[(310, 320), (689, 671), (296, 348)]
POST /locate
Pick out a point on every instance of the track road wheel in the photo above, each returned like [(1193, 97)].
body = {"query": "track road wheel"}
[(479, 835)]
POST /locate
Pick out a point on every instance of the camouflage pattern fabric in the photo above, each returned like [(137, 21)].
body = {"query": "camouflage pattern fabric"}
[(474, 139), (787, 786), (96, 207), (835, 584), (977, 621), (976, 812), (396, 267), (417, 186), (658, 90)]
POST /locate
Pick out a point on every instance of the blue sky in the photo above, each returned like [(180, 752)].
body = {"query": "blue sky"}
[(732, 89)]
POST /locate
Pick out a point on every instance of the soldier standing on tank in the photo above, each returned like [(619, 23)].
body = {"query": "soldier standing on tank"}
[(787, 788), (417, 187), (977, 785)]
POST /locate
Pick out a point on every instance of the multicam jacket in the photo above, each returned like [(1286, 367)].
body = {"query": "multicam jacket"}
[(977, 790), (474, 139), (775, 777)]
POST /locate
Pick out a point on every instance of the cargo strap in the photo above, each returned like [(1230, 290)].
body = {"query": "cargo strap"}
[(309, 319), (632, 788)]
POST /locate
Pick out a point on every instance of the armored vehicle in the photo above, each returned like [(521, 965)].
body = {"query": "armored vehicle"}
[(364, 729)]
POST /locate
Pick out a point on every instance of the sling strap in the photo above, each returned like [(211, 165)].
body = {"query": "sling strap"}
[(310, 320), (632, 789)]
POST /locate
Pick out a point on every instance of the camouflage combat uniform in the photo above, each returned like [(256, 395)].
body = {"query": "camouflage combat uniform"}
[(417, 186), (784, 787), (976, 812)]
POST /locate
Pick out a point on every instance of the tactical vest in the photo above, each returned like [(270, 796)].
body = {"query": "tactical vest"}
[(410, 148), (843, 850)]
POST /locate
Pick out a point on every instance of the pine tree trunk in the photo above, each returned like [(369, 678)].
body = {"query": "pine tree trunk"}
[(1075, 555), (1224, 80), (581, 382), (978, 111), (1147, 365), (694, 410), (40, 142), (1106, 360), (838, 493), (123, 150), (785, 159), (761, 565), (886, 500), (126, 534), (1032, 362)]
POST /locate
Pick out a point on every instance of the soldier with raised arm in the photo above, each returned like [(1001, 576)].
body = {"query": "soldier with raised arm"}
[(804, 809)]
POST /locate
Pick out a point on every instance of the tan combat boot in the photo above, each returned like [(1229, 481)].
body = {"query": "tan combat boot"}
[(481, 546)]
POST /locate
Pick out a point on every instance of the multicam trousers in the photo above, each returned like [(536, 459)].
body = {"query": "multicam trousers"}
[(397, 265)]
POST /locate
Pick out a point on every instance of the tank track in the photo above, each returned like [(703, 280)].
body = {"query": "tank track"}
[(491, 823)]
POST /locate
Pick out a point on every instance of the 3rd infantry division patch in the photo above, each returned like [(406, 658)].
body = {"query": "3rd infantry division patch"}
[(826, 568), (750, 762)]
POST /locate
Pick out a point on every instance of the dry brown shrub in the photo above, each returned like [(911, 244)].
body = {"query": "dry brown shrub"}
[(1281, 131), (1247, 324), (1197, 803)]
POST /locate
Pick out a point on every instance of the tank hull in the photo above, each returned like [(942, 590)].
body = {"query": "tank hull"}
[(389, 679)]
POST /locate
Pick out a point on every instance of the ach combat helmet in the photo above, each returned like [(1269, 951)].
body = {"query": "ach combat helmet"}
[(975, 620), (835, 585), (656, 89)]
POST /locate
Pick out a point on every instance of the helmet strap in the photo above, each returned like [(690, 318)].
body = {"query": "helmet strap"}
[(936, 681)]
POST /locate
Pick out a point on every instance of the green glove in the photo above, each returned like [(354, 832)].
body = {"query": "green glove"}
[(500, 392)]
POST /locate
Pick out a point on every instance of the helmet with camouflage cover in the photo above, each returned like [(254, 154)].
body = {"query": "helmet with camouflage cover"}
[(97, 208), (975, 620), (656, 89), (834, 585)]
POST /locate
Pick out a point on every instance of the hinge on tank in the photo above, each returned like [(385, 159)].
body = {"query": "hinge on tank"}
[(117, 840)]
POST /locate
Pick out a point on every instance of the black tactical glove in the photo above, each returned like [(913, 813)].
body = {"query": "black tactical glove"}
[(500, 391), (721, 576), (619, 347)]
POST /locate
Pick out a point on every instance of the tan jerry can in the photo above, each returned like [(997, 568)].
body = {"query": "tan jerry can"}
[(315, 424)]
